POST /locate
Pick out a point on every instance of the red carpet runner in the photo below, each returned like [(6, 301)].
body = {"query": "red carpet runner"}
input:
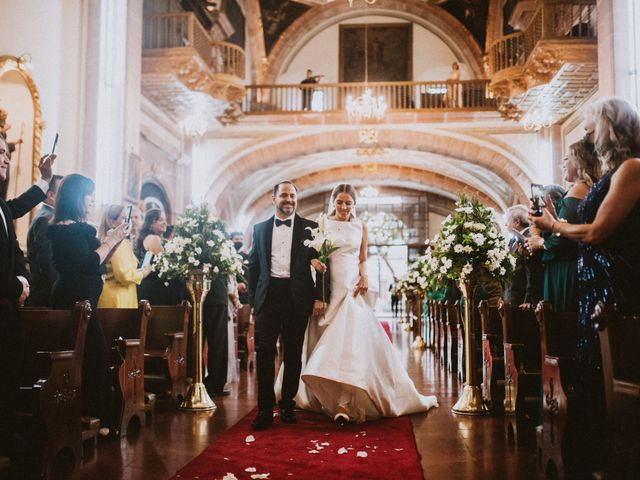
[(315, 448)]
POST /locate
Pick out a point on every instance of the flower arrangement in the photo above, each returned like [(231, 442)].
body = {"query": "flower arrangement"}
[(199, 242), (469, 242), (419, 275)]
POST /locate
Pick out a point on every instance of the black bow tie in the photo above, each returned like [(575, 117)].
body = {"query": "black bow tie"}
[(283, 222)]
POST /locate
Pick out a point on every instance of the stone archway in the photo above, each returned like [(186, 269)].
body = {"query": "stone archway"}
[(476, 163), (433, 18)]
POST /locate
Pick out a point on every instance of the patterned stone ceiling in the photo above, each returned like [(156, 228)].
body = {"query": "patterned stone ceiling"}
[(277, 15)]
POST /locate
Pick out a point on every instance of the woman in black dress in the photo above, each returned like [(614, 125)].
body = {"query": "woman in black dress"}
[(154, 289), (608, 262), (78, 256)]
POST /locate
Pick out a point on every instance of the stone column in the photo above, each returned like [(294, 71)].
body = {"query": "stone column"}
[(254, 45), (616, 73)]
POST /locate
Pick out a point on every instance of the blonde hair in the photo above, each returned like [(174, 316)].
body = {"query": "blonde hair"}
[(110, 213), (617, 131), (587, 160)]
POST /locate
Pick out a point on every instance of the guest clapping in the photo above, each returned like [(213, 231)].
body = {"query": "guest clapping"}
[(123, 274), (608, 261), (78, 256)]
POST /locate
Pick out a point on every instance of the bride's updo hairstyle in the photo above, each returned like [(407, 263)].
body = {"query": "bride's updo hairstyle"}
[(338, 189)]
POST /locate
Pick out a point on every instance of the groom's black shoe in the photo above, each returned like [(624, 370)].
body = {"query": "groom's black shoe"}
[(263, 421), (287, 416)]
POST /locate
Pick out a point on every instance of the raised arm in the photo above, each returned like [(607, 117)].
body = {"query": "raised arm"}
[(622, 197)]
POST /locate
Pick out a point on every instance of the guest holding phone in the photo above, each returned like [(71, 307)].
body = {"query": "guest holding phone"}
[(123, 274), (78, 256), (154, 289)]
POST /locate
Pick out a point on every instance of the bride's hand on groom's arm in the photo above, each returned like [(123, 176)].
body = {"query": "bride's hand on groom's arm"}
[(319, 307), (318, 265)]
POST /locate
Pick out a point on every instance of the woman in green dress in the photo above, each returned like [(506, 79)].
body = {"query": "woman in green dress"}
[(560, 256)]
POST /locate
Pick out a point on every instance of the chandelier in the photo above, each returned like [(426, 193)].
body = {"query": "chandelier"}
[(366, 106)]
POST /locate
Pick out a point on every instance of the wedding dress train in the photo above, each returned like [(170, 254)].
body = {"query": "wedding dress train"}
[(351, 366)]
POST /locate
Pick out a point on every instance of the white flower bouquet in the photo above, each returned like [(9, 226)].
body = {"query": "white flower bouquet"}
[(323, 243), (199, 242), (469, 242), (321, 240)]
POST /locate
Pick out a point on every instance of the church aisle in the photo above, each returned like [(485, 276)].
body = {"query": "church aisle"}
[(451, 446)]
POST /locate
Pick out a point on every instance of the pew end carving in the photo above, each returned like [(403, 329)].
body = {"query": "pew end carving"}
[(125, 332), (619, 340), (166, 351), (51, 381)]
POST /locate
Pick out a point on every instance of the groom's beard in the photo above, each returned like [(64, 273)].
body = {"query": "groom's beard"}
[(287, 209)]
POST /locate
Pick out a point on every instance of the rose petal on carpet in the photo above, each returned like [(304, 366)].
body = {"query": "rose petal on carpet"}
[(314, 448)]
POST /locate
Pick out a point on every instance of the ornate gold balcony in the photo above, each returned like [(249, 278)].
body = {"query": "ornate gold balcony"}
[(183, 67), (549, 68)]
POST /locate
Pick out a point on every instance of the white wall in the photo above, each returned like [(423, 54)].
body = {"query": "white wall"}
[(432, 58), (51, 33)]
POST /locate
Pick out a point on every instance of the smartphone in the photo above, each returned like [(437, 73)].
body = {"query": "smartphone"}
[(127, 217), (55, 142), (537, 197)]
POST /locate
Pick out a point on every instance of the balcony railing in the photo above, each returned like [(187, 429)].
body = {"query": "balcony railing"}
[(400, 96), (183, 31), (554, 20)]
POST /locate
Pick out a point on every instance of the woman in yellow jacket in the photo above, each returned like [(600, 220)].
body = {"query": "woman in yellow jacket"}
[(123, 274)]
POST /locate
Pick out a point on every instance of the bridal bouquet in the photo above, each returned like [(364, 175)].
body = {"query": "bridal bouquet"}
[(200, 242), (469, 242), (321, 240), (323, 243)]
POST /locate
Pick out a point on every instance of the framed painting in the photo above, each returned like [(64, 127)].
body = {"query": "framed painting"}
[(389, 52)]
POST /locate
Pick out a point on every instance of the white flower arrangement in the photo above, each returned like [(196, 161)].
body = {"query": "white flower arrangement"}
[(469, 242), (199, 242), (321, 239)]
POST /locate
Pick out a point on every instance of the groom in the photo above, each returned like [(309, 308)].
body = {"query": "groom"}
[(283, 296)]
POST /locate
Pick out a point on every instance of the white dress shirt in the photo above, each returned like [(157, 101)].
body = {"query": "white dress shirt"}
[(281, 240)]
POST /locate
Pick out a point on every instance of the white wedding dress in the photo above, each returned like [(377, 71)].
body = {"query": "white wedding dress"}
[(351, 366)]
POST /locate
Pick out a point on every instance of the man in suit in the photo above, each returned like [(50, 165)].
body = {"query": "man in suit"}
[(43, 272), (14, 287), (283, 296), (525, 288)]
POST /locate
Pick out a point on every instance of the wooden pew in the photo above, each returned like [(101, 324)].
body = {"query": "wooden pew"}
[(492, 358), (165, 351), (619, 344), (442, 332), (452, 320), (523, 373), (426, 325), (125, 332), (51, 380), (558, 333)]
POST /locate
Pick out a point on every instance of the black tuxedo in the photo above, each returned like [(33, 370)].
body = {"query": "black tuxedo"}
[(12, 265), (282, 306), (40, 262)]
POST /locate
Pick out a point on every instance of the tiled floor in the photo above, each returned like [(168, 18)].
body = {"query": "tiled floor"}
[(452, 446)]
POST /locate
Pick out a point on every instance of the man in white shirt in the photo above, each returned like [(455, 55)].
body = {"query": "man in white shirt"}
[(283, 295), (14, 286)]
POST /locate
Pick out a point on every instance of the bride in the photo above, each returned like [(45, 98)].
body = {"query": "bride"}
[(352, 372)]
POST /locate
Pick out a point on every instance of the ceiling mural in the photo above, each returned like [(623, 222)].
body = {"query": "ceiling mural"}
[(277, 15)]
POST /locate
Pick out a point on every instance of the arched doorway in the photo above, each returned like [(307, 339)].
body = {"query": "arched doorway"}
[(153, 195)]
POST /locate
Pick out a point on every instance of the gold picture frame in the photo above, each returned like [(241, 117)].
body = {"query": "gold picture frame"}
[(19, 64)]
